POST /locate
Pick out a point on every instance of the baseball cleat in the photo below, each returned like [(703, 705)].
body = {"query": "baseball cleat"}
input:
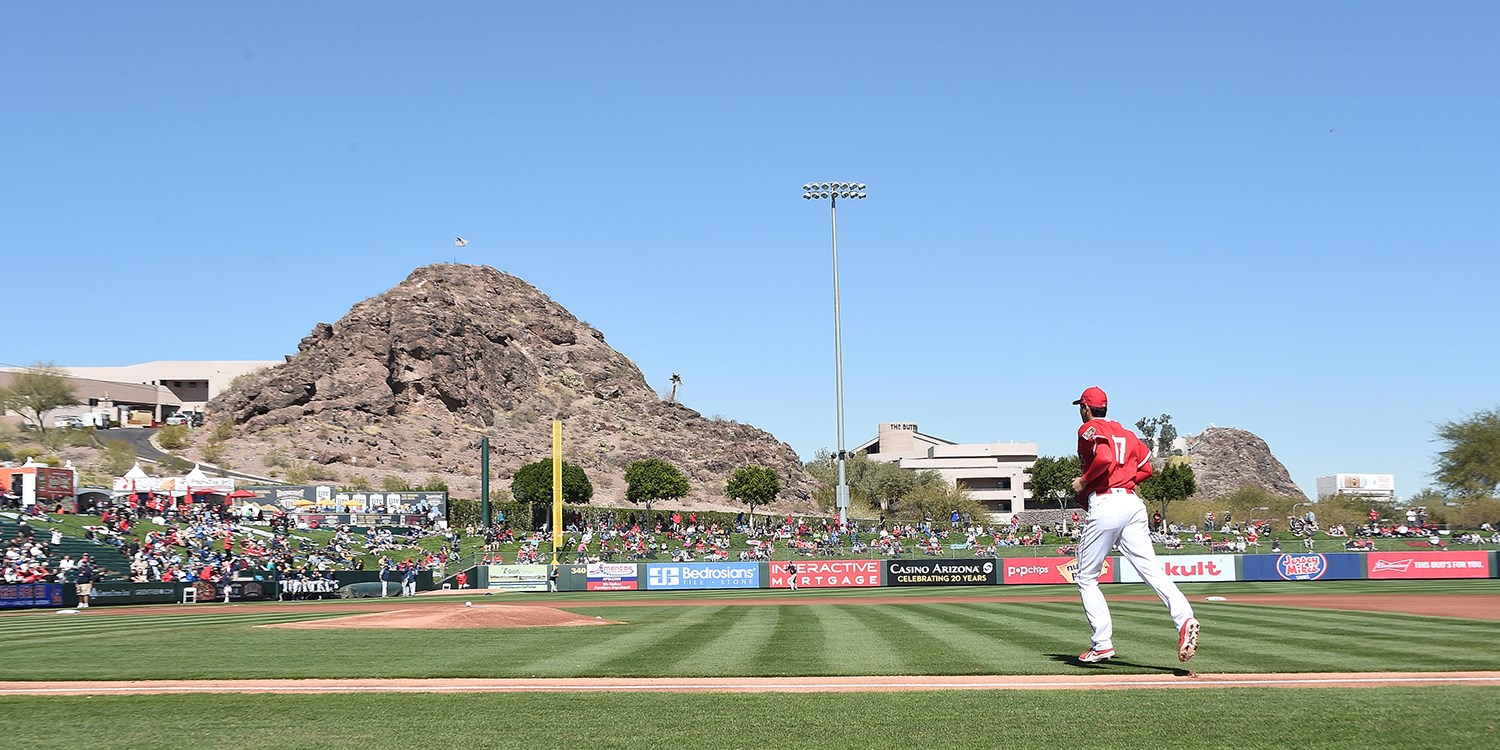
[(1187, 639), (1094, 655)]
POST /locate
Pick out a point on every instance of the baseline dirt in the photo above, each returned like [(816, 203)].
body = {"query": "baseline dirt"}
[(761, 684)]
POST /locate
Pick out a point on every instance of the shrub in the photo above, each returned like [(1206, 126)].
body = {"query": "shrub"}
[(119, 456), (172, 437), (213, 451), (394, 484)]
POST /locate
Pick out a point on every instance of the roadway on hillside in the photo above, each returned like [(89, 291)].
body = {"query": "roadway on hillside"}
[(140, 439)]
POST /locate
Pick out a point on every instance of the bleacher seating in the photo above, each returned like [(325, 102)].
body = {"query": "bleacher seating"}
[(106, 558)]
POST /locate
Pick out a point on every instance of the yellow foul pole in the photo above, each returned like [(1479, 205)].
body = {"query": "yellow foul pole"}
[(557, 497)]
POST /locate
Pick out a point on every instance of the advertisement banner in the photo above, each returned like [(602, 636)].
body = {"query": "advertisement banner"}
[(1464, 564), (1304, 566), (369, 508), (1049, 570), (940, 572), (108, 593), (24, 595), (612, 577), (1185, 568), (321, 520), (727, 575), (827, 574), (517, 577)]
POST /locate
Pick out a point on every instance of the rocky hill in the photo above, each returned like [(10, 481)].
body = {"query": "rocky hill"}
[(407, 382), (1225, 459)]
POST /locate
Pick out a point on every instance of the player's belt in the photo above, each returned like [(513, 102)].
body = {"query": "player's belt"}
[(1110, 491)]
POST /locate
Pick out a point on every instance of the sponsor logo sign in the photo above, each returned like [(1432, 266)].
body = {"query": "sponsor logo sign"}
[(23, 595), (827, 574), (135, 593), (940, 572), (517, 577), (1455, 564), (1185, 568), (1303, 566), (727, 575), (1049, 570), (611, 577)]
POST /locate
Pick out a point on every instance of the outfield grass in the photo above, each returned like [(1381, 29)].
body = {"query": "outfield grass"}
[(1394, 718), (722, 638)]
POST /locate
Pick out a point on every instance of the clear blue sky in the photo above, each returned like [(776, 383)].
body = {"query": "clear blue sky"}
[(1273, 216)]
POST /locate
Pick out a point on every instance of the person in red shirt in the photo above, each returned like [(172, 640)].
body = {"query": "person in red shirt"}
[(1114, 462)]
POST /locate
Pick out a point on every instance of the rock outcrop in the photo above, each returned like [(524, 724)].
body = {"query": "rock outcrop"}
[(1225, 459), (407, 382)]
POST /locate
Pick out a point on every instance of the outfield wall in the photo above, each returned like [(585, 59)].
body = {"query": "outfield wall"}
[(846, 574), (1010, 571)]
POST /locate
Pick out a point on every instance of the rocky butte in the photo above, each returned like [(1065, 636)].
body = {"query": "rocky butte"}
[(1225, 459), (407, 382)]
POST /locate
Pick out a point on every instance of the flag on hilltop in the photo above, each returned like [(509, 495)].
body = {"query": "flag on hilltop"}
[(460, 242)]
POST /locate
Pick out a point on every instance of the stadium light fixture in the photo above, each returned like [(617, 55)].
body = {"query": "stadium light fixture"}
[(832, 192)]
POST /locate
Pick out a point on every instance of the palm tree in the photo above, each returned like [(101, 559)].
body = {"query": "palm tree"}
[(676, 381)]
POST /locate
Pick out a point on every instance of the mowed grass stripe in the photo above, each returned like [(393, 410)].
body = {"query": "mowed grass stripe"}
[(1389, 639), (850, 627), (741, 634), (707, 625), (982, 649), (924, 649), (798, 644), (51, 629), (627, 650), (1411, 718), (1014, 636)]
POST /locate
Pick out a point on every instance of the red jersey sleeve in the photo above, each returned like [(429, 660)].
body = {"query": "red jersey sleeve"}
[(1096, 455)]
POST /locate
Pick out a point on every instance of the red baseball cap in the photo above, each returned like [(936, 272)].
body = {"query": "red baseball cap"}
[(1093, 397)]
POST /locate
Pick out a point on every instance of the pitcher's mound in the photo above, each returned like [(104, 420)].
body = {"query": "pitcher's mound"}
[(455, 617)]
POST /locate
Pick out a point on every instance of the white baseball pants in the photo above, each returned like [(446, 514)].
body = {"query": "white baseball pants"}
[(1119, 517)]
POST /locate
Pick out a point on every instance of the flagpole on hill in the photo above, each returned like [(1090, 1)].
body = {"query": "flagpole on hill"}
[(457, 243)]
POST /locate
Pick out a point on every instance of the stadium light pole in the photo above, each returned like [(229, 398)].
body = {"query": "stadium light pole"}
[(832, 192)]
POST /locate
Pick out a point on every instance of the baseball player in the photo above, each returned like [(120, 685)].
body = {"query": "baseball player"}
[(1114, 461)]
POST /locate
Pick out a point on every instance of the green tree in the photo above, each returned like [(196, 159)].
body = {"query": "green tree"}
[(532, 483), (1052, 479), (37, 390), (1173, 480), (888, 484), (676, 381), (1157, 433), (939, 500), (753, 485), (651, 479), (1469, 465)]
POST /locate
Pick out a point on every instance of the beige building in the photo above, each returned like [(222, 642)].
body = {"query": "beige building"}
[(993, 473), (191, 383), (158, 388)]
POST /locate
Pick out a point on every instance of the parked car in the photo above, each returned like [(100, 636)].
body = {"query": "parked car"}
[(69, 423), (179, 419)]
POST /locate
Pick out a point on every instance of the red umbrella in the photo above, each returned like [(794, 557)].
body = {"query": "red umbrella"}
[(241, 495)]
